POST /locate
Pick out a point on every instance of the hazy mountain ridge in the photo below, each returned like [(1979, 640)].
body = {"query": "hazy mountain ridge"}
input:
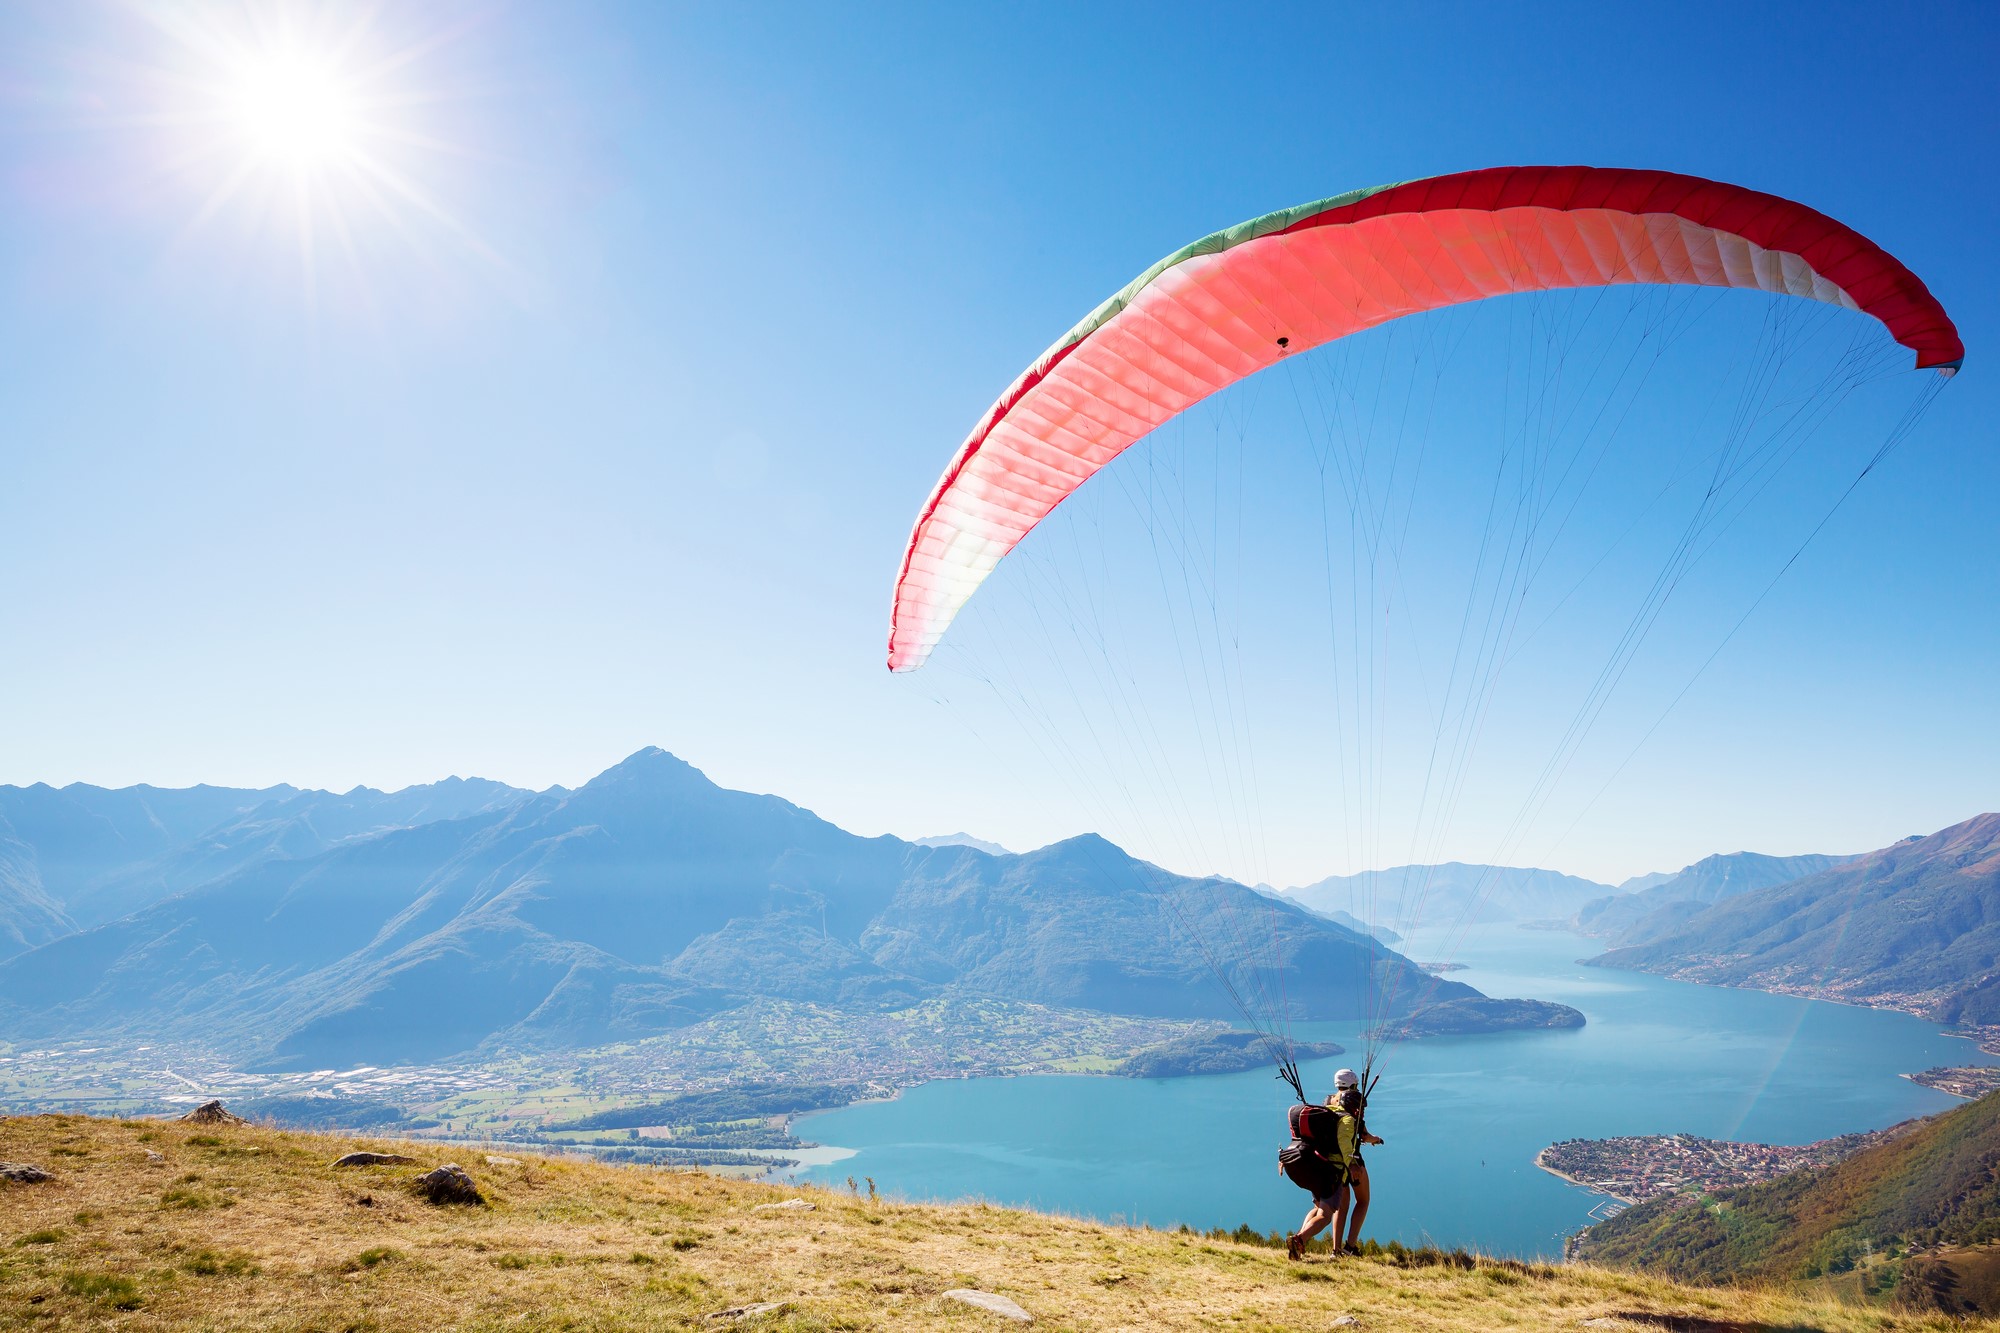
[(28, 916), (962, 840), (80, 855), (63, 843), (645, 900), (1407, 897), (1656, 910), (1914, 926)]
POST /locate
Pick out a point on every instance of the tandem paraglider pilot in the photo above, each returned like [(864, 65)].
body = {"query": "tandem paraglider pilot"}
[(1324, 1160)]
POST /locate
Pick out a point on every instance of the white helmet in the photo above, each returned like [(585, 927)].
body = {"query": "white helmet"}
[(1345, 1079)]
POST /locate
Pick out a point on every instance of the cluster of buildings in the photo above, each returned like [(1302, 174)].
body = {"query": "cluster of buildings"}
[(1648, 1166)]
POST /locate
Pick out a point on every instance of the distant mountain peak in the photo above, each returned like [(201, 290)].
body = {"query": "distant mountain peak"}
[(651, 764), (963, 840), (1084, 844)]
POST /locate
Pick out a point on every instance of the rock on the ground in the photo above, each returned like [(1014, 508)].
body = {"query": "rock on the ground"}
[(737, 1313), (992, 1304), (449, 1184), (494, 1159), (374, 1159), (212, 1113), (155, 1158), (788, 1206), (1347, 1321), (23, 1174)]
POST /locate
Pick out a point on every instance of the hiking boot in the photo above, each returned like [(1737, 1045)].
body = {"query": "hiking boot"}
[(1351, 1248), (1295, 1246)]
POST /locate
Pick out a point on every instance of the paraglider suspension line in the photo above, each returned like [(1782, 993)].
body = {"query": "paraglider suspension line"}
[(1288, 1070)]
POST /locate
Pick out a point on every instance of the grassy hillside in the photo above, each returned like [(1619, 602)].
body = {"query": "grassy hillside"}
[(1855, 1224), (251, 1229)]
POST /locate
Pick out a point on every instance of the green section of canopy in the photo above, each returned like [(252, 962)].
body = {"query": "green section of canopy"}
[(1212, 244)]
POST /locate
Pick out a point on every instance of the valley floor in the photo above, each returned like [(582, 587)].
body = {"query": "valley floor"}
[(149, 1225)]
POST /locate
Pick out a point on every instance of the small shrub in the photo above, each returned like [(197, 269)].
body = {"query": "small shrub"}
[(679, 1285), (207, 1263), (204, 1141), (374, 1257), (191, 1200), (688, 1240), (641, 1258), (120, 1293), (47, 1236), (511, 1261)]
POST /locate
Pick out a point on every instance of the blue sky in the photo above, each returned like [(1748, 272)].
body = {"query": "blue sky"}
[(604, 428)]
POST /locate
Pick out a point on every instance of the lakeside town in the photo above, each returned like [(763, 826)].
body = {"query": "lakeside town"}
[(1639, 1167), (1968, 1081)]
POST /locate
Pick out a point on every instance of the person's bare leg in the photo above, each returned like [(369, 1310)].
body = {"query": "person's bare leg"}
[(1316, 1217), (1359, 1181), (1339, 1210)]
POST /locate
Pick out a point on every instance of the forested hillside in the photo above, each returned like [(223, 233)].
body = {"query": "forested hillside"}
[(1903, 1218)]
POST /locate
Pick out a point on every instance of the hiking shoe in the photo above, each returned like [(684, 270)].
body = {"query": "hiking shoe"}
[(1295, 1246), (1352, 1249)]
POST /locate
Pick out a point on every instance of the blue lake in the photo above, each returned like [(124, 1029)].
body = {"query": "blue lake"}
[(1463, 1116)]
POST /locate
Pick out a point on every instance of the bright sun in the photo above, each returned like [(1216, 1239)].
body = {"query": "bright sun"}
[(299, 121), (296, 111)]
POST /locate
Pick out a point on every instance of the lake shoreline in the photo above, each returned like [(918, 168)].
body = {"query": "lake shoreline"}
[(1465, 1120), (1541, 1163), (1987, 1037)]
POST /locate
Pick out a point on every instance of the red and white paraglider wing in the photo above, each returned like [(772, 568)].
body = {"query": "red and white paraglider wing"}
[(1239, 300)]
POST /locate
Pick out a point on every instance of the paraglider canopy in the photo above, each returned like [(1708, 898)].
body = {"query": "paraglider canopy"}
[(1244, 298)]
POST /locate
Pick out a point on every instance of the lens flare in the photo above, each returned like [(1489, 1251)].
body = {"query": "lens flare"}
[(292, 110)]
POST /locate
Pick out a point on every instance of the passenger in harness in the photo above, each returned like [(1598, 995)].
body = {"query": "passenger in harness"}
[(1349, 1098), (1321, 1160)]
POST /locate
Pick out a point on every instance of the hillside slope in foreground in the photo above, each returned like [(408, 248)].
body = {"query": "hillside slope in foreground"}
[(166, 1225)]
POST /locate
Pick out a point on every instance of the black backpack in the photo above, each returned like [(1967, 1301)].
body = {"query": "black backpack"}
[(1314, 1130)]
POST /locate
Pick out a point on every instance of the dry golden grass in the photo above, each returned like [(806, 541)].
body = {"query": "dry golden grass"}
[(252, 1229)]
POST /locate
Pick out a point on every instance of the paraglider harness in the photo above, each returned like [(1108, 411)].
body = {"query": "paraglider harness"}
[(1301, 1161)]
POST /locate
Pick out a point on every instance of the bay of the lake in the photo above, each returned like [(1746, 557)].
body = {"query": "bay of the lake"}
[(1463, 1116)]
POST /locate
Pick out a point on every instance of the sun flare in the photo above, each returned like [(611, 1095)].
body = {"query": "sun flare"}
[(313, 130), (294, 110)]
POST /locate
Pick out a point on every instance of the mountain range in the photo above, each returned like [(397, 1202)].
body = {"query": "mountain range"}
[(1656, 909), (1914, 926), (1452, 894), (309, 928), (962, 840)]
